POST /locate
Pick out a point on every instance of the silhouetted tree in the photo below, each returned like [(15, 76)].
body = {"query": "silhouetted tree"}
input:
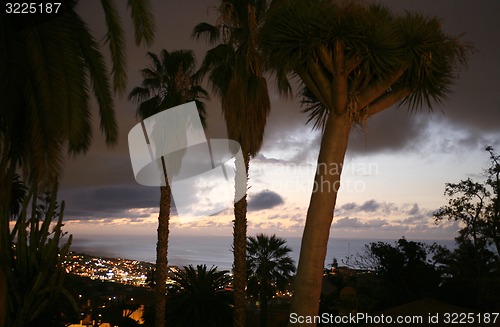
[(269, 269), (473, 265), (354, 60), (198, 298), (470, 274), (493, 181), (169, 81), (405, 268), (235, 68)]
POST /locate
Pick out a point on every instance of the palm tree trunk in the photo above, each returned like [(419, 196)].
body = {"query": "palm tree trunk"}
[(319, 216), (161, 256), (240, 247), (263, 304)]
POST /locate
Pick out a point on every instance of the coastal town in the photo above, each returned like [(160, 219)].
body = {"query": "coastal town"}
[(115, 270)]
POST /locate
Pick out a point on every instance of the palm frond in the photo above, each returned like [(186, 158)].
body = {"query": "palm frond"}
[(115, 37), (169, 81), (43, 105), (434, 59), (44, 165), (316, 111), (51, 67), (74, 90), (139, 94), (218, 64), (156, 66), (144, 25), (291, 30), (99, 81), (211, 32)]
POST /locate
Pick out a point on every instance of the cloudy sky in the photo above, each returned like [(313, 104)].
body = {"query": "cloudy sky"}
[(395, 170)]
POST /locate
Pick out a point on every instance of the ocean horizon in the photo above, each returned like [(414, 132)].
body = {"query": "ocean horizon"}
[(184, 250)]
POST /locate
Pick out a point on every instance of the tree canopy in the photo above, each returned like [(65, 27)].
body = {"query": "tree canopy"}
[(52, 67), (353, 60), (363, 56)]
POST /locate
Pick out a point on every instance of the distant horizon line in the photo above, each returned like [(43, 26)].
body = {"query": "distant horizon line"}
[(279, 235)]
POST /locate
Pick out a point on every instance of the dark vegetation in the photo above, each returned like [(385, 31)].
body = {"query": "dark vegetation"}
[(467, 276)]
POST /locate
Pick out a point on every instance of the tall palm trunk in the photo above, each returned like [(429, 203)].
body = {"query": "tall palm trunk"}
[(319, 216), (240, 246), (161, 256), (263, 303)]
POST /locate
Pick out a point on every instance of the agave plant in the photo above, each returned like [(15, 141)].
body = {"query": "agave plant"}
[(34, 259)]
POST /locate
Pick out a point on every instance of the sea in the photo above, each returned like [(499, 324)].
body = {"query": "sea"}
[(216, 251)]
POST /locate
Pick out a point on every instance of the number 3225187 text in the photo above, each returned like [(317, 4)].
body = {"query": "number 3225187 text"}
[(32, 7)]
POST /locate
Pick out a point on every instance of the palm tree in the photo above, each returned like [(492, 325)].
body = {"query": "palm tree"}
[(355, 60), (198, 298), (51, 67), (168, 82), (269, 268), (235, 70)]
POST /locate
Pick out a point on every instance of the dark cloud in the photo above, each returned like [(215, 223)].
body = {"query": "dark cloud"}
[(448, 139), (348, 206), (414, 210), (225, 212), (406, 214), (276, 216), (262, 159), (415, 215), (207, 223), (390, 131), (109, 201), (369, 206), (298, 218), (264, 200), (356, 223)]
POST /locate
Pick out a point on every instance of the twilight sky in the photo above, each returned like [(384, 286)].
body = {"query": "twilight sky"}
[(395, 170)]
